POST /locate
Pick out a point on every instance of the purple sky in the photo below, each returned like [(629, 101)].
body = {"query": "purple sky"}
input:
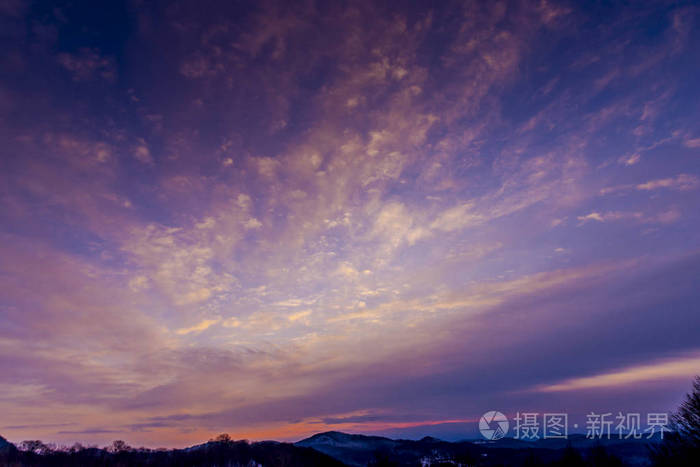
[(274, 219)]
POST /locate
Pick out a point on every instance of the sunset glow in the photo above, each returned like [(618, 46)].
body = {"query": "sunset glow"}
[(278, 218)]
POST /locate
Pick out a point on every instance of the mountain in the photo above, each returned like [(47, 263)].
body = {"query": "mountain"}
[(361, 450), (337, 449), (348, 448), (6, 447)]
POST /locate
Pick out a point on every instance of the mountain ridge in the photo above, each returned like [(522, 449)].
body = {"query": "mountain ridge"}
[(360, 450), (333, 449)]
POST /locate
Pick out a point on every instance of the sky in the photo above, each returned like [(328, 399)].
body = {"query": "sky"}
[(275, 218)]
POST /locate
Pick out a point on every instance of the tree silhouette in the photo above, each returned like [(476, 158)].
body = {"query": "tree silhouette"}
[(687, 419), (118, 446), (681, 446), (36, 446), (222, 438)]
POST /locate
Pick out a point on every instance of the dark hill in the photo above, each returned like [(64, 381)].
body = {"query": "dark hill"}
[(361, 450), (335, 449), (213, 453), (6, 448)]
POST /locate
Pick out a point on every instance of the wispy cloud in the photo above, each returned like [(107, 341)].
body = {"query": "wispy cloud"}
[(683, 182), (294, 213), (87, 64), (199, 327), (684, 369)]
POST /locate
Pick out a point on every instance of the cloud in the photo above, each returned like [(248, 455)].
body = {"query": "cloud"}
[(87, 64), (663, 217), (324, 229), (142, 153), (629, 160), (266, 166), (299, 315), (139, 283), (682, 182), (197, 328), (603, 217), (347, 271), (252, 223), (243, 201), (457, 218), (198, 66), (394, 225), (178, 262), (683, 368)]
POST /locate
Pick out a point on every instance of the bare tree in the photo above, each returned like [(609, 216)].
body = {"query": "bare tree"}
[(119, 446), (77, 447), (35, 445), (223, 438), (687, 419), (681, 447)]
